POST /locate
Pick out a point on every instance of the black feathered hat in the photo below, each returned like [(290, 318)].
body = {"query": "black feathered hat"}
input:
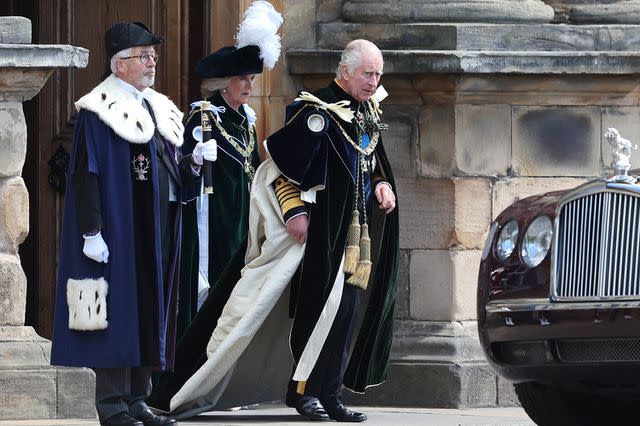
[(257, 45), (128, 34), (231, 61)]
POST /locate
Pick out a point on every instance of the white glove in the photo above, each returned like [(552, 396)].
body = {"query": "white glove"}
[(205, 150), (95, 248)]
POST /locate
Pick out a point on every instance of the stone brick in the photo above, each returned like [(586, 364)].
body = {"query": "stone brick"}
[(13, 291), (483, 139), (13, 139), (14, 214), (627, 121), (499, 11), (437, 141), (76, 393), (441, 213), (506, 192), (426, 212), (472, 211), (27, 394), (506, 394), (614, 12), (442, 284), (15, 29), (442, 385), (402, 298), (430, 341), (328, 10), (524, 89), (274, 115), (478, 383), (299, 27), (400, 142), (22, 354), (556, 141), (465, 140)]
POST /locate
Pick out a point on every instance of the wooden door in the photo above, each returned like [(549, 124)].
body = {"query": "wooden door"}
[(84, 23)]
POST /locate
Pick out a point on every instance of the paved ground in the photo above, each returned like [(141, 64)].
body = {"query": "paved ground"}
[(378, 416)]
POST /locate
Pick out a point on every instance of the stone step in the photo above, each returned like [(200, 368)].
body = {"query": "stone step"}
[(438, 384), (46, 392), (30, 388), (310, 62), (447, 11), (500, 37)]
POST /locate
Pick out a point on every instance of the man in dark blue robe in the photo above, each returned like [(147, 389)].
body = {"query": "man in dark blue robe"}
[(119, 253)]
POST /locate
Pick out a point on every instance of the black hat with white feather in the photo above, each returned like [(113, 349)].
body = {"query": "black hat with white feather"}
[(257, 45)]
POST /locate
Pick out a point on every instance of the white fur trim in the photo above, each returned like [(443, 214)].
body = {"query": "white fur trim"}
[(251, 114), (123, 113), (87, 300)]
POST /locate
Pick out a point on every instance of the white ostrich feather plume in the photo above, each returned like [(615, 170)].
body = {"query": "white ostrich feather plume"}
[(260, 28)]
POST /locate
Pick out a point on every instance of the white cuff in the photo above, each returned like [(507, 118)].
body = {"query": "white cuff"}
[(384, 183), (296, 215)]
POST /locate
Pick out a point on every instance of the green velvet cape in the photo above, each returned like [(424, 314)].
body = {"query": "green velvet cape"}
[(228, 207)]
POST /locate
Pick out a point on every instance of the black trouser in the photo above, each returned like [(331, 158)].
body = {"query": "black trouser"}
[(325, 381), (121, 390)]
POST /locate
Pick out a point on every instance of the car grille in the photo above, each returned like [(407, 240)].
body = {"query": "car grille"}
[(598, 244), (591, 350)]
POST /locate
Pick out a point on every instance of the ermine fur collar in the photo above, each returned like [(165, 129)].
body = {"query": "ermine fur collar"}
[(126, 116)]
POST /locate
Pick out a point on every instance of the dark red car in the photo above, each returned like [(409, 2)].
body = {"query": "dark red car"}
[(559, 303)]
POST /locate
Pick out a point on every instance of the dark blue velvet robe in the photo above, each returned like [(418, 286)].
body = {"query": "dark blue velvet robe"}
[(121, 344)]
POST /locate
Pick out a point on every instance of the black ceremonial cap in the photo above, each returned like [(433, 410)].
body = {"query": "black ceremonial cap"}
[(129, 34), (231, 61)]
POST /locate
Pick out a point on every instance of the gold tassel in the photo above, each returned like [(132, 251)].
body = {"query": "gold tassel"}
[(361, 277), (352, 252)]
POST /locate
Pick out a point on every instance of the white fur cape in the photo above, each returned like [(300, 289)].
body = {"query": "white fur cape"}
[(271, 260), (125, 115)]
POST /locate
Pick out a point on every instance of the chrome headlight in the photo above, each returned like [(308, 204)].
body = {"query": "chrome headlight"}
[(537, 241), (507, 240)]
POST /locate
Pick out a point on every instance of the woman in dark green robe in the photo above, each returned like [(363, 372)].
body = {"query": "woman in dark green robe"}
[(221, 217), (227, 84)]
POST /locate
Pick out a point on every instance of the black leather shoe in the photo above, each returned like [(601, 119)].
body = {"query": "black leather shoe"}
[(340, 413), (311, 408), (121, 419), (150, 419)]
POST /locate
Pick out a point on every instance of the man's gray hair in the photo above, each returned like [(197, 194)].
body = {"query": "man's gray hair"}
[(121, 54), (353, 54)]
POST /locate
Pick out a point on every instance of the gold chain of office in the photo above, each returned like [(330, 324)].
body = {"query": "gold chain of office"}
[(245, 152)]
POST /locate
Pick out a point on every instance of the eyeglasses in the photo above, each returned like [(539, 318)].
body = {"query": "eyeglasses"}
[(144, 57)]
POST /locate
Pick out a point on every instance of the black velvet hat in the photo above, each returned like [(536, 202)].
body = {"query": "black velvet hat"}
[(129, 34), (230, 62)]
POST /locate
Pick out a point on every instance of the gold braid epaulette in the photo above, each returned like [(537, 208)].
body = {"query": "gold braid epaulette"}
[(367, 151), (288, 195)]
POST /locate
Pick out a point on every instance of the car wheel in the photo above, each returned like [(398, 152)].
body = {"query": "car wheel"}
[(550, 406)]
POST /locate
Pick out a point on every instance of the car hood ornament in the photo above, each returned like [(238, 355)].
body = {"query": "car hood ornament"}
[(621, 153)]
